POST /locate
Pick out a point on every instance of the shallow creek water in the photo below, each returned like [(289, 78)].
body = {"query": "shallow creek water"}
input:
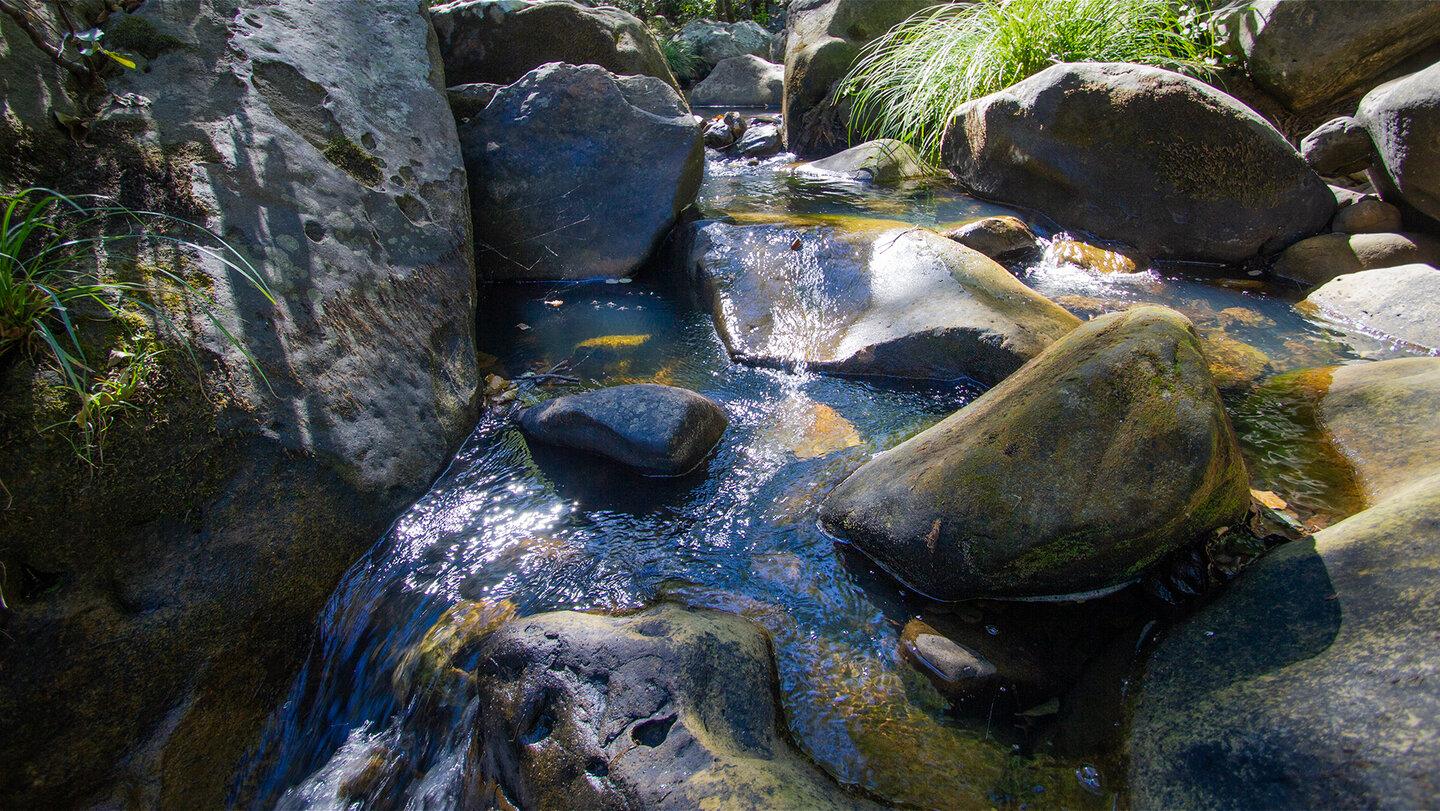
[(545, 530)]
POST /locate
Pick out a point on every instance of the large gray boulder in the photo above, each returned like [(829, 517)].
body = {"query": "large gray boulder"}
[(498, 41), (1140, 155), (868, 298), (189, 571), (1317, 260), (1103, 454), (741, 81), (576, 173), (658, 430), (1403, 119), (1314, 680), (714, 42), (1308, 52), (1399, 303), (666, 708), (824, 40)]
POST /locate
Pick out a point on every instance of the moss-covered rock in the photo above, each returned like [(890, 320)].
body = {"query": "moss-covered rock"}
[(1104, 453)]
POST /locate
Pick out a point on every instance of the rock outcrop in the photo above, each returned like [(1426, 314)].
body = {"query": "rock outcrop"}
[(1314, 680), (576, 173), (189, 571), (1139, 155), (666, 708), (825, 38), (1403, 119), (863, 298), (498, 41), (658, 430), (1104, 453), (1308, 52)]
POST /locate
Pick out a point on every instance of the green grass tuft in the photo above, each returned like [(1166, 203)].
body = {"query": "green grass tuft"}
[(907, 82)]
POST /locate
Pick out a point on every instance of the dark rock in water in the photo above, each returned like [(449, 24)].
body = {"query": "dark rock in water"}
[(1368, 215), (1317, 260), (659, 430), (864, 298), (1400, 303), (1403, 119), (1340, 146), (467, 100), (759, 141), (667, 708), (1314, 680), (576, 173), (954, 668), (1103, 454), (741, 81), (1308, 52), (718, 134), (825, 38), (1139, 155), (498, 41), (885, 160), (996, 237)]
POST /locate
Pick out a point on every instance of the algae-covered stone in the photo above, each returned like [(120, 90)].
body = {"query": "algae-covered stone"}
[(1104, 453), (1383, 418), (667, 708), (996, 237), (1313, 682), (864, 298), (884, 160), (1139, 155), (659, 430)]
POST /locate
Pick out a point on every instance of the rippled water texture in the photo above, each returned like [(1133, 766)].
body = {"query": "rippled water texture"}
[(375, 721)]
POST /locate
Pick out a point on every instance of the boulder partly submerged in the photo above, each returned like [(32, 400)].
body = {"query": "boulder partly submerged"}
[(868, 298), (883, 160), (1314, 680), (1108, 451), (658, 430), (577, 173), (667, 708), (1139, 155), (1398, 303), (498, 41)]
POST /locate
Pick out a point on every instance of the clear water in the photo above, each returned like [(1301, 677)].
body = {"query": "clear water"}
[(532, 530)]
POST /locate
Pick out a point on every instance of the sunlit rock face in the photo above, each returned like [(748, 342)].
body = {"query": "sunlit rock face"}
[(864, 298)]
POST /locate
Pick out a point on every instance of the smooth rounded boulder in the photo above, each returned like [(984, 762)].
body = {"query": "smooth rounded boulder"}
[(576, 173), (1139, 155), (1103, 454), (1403, 119), (666, 708), (498, 41), (1399, 303), (883, 160), (1317, 260), (658, 430), (741, 81)]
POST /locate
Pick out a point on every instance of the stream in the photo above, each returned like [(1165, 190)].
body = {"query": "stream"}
[(527, 529)]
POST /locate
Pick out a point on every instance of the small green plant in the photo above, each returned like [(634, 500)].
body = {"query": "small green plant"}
[(680, 55), (50, 249), (907, 82)]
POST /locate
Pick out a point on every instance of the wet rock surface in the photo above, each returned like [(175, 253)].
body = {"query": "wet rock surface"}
[(1403, 119), (666, 708), (876, 301), (1078, 471), (741, 81), (1139, 155), (1317, 260), (884, 160), (996, 237), (658, 430), (576, 173), (1308, 52), (1396, 302), (499, 41)]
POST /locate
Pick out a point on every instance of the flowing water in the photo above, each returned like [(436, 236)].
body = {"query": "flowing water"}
[(514, 528)]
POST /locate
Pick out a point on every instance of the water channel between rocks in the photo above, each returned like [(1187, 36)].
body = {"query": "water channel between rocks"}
[(372, 722)]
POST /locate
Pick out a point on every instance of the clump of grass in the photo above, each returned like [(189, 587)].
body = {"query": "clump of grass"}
[(51, 282), (680, 55), (907, 82)]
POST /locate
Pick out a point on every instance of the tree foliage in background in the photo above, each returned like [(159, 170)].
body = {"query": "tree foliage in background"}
[(907, 82)]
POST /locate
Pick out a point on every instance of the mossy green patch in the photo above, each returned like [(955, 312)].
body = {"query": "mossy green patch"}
[(353, 160), (137, 35)]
